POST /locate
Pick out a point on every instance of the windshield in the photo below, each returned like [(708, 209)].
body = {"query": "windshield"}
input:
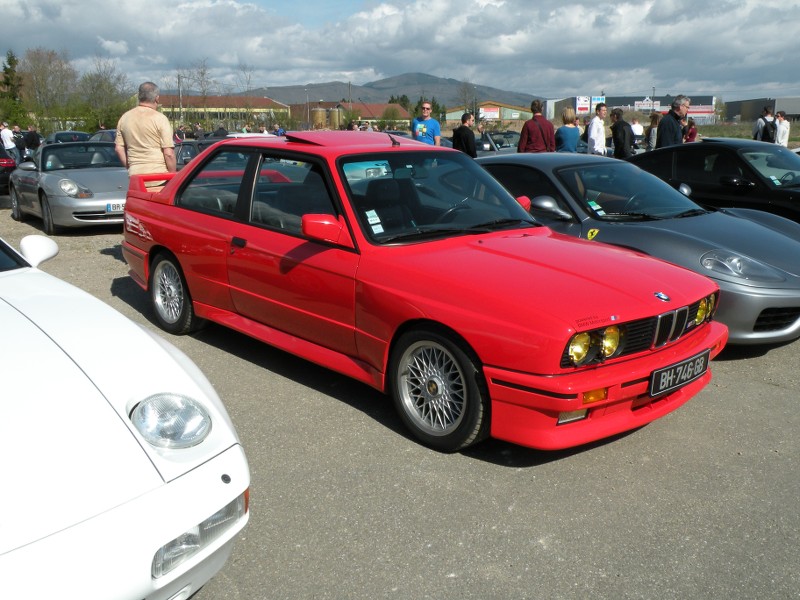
[(617, 190), (77, 155), (404, 196), (778, 165), (9, 260)]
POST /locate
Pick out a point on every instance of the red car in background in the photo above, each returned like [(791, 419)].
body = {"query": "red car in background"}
[(411, 269)]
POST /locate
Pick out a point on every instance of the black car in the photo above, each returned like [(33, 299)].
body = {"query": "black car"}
[(104, 135), (186, 150), (59, 137), (726, 172)]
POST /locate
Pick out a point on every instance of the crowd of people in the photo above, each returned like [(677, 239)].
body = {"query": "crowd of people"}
[(17, 144), (539, 135)]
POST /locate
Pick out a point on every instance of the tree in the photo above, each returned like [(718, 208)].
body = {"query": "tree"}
[(402, 101), (12, 82), (11, 106), (105, 93), (49, 86)]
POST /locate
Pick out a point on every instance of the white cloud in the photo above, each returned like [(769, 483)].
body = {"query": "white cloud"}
[(547, 48)]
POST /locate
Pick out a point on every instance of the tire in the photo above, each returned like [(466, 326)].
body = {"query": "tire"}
[(169, 296), (16, 209), (438, 389), (47, 216)]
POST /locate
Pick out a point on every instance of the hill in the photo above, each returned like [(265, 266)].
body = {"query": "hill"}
[(449, 92)]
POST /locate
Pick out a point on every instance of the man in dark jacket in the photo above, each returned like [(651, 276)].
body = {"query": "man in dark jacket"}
[(670, 130), (621, 134), (463, 138)]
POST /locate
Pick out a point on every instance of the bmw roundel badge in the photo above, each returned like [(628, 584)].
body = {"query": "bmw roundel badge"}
[(662, 296)]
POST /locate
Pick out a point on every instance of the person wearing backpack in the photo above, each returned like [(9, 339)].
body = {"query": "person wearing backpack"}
[(766, 128)]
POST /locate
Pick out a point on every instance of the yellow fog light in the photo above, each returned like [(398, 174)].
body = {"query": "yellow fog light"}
[(610, 340), (572, 416), (579, 347), (702, 311), (595, 395)]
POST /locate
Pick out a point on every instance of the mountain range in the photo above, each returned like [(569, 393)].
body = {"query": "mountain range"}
[(448, 92)]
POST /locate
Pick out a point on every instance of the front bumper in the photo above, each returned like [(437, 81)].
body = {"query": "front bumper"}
[(525, 407), (109, 557), (759, 316), (83, 212)]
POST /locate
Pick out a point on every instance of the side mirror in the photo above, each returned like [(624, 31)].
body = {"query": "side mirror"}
[(325, 228), (524, 202), (548, 204), (736, 181), (685, 190)]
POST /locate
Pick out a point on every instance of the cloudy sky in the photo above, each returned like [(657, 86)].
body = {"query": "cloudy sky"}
[(732, 49)]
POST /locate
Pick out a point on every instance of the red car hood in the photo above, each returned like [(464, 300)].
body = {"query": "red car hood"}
[(559, 279)]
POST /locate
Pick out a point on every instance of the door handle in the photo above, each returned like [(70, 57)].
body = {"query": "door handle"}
[(238, 242)]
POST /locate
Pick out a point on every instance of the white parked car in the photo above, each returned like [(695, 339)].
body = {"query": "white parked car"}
[(123, 476)]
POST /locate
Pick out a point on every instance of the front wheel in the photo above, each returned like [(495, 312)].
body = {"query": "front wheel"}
[(48, 224), (169, 296), (438, 389)]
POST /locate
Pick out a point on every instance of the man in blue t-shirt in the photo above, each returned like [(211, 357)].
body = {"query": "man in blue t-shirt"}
[(425, 128)]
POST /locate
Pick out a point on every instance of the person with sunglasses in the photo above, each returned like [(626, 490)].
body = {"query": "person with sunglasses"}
[(425, 128)]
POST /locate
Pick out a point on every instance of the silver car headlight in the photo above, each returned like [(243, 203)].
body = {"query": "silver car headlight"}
[(736, 265), (71, 188), (171, 421)]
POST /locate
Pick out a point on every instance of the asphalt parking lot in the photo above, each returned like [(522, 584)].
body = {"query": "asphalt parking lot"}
[(700, 504)]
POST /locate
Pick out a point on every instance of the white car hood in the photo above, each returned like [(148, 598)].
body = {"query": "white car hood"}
[(68, 451)]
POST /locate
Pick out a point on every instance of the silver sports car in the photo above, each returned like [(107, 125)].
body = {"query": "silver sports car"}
[(752, 255), (74, 184)]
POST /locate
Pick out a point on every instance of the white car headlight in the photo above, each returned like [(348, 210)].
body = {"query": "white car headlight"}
[(736, 265), (171, 421), (71, 188)]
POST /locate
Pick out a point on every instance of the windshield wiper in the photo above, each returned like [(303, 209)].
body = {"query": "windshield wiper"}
[(500, 224), (692, 212), (633, 215)]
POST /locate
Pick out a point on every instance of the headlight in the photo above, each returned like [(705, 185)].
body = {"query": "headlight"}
[(71, 188), (579, 347), (587, 346), (736, 265), (610, 340), (171, 421)]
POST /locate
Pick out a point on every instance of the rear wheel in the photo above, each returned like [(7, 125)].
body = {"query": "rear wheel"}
[(170, 297), (438, 389), (16, 210)]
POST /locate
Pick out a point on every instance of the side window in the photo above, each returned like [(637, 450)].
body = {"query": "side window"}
[(705, 167), (659, 164), (525, 181), (215, 187), (286, 190)]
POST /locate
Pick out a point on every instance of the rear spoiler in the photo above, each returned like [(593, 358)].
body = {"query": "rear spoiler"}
[(138, 182)]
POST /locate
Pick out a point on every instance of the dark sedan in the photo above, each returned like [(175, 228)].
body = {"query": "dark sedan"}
[(735, 173), (59, 137), (752, 255), (189, 148)]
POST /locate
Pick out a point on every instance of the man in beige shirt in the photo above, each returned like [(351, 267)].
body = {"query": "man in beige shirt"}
[(144, 141)]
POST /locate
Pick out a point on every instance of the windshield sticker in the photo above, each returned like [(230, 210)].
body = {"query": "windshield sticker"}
[(374, 221), (596, 208)]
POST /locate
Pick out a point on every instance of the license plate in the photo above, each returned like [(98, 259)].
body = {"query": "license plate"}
[(671, 378), (114, 207)]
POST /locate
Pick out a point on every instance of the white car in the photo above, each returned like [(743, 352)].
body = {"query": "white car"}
[(123, 476)]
